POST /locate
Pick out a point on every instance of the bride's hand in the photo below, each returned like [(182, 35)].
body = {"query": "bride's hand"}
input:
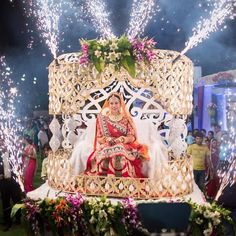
[(112, 142), (120, 139)]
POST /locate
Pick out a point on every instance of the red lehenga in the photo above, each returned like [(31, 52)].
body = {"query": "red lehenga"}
[(120, 160), (29, 167), (212, 179)]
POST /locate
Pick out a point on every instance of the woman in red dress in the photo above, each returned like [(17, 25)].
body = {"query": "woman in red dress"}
[(29, 163), (116, 150), (212, 183)]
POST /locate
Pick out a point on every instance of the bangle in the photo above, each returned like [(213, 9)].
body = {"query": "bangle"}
[(108, 139)]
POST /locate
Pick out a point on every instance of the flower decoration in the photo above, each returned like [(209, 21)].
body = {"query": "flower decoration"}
[(206, 219), (31, 211), (120, 52), (130, 214), (221, 76), (73, 215)]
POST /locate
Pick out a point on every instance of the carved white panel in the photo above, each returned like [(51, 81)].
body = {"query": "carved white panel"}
[(55, 129), (141, 105)]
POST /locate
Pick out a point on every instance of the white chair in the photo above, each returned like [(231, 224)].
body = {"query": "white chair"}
[(146, 134)]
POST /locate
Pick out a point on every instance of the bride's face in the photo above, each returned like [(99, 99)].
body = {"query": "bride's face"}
[(114, 105)]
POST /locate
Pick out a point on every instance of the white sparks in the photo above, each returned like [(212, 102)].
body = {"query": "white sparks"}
[(9, 124), (222, 9), (13, 91), (228, 173), (141, 13), (47, 13), (97, 10)]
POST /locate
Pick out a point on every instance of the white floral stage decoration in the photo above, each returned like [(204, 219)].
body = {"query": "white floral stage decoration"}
[(156, 90)]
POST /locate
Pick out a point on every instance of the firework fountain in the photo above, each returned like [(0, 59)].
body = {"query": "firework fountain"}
[(96, 11), (141, 13), (47, 14), (10, 125), (221, 10)]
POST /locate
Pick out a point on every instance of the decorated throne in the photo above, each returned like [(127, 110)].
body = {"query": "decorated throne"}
[(159, 98)]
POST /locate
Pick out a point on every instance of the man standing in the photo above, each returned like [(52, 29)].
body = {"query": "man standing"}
[(10, 190), (200, 154)]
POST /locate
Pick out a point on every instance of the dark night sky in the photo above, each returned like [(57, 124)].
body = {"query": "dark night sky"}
[(215, 54)]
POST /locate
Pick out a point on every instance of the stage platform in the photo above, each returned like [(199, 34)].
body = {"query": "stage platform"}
[(45, 191)]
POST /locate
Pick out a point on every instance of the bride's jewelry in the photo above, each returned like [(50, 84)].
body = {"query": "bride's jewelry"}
[(122, 139), (115, 117)]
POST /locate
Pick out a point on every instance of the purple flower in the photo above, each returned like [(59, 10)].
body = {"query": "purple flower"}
[(31, 211), (150, 43), (150, 55), (85, 48), (143, 49), (83, 60), (130, 216), (75, 201)]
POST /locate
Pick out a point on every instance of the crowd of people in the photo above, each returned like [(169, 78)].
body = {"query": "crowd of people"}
[(210, 152)]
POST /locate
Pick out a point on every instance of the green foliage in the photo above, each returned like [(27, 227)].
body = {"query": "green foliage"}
[(124, 44), (114, 51), (129, 64), (16, 208)]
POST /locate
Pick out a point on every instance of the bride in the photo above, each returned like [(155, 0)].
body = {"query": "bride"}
[(116, 150)]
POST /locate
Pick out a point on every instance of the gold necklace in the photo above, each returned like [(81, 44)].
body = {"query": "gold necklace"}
[(115, 117)]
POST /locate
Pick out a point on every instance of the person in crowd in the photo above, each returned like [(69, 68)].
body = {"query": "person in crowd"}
[(218, 133), (43, 140), (195, 131), (29, 130), (35, 127), (212, 183), (200, 154), (44, 174), (207, 142), (29, 159), (9, 188), (116, 151), (189, 124), (210, 135), (46, 128), (203, 131), (190, 139)]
